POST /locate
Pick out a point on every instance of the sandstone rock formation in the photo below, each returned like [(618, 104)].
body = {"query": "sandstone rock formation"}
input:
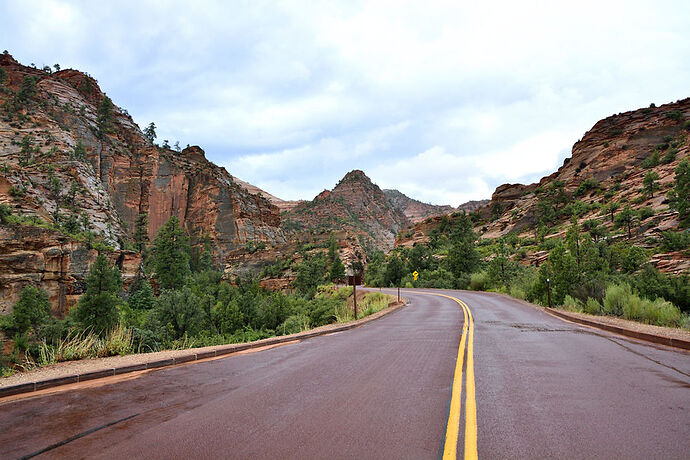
[(607, 165), (355, 205), (118, 176), (415, 210)]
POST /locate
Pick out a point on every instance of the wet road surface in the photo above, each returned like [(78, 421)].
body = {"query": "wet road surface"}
[(545, 388)]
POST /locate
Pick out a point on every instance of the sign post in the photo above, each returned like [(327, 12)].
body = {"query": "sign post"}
[(548, 290), (354, 297)]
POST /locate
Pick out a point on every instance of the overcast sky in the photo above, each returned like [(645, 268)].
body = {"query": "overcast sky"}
[(441, 100)]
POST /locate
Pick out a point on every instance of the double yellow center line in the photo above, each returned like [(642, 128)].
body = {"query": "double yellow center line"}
[(453, 428)]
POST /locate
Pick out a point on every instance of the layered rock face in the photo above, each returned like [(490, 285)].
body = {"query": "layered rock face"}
[(610, 157), (607, 165), (415, 210), (355, 205), (120, 176)]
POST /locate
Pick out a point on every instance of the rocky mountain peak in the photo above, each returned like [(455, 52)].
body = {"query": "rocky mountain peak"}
[(355, 205)]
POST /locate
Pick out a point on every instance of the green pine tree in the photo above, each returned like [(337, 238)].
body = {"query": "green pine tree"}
[(171, 254), (649, 183), (104, 121), (31, 310), (679, 196), (97, 308), (337, 272)]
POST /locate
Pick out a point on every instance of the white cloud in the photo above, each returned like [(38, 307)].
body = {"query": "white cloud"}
[(290, 96)]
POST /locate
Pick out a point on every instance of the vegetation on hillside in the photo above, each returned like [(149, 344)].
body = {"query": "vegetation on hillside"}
[(590, 267), (194, 307)]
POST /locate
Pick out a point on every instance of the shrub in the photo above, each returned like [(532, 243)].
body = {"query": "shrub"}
[(479, 281), (571, 304), (16, 192), (5, 213), (616, 297), (674, 241), (645, 212), (592, 307), (296, 323), (675, 115), (651, 161), (585, 186), (178, 313)]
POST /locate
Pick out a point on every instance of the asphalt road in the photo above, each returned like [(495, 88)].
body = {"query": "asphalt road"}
[(544, 388)]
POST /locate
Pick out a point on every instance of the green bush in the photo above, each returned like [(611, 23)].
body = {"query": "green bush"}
[(31, 310), (616, 297), (620, 300), (98, 306), (592, 307), (571, 304), (178, 313), (674, 241), (479, 281), (294, 324)]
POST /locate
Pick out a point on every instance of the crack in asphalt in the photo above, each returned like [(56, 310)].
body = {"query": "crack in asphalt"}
[(642, 355), (75, 437)]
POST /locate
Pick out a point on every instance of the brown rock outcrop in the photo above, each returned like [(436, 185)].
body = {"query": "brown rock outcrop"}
[(121, 176)]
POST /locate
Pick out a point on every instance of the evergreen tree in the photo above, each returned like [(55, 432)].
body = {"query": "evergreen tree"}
[(104, 121), (611, 209), (150, 132), (79, 152), (337, 270), (97, 308), (565, 273), (649, 183), (625, 218), (31, 310), (5, 213), (27, 90), (141, 295), (171, 254), (179, 312), (395, 271), (206, 260), (462, 256), (375, 270), (332, 249), (310, 273), (679, 196), (141, 232)]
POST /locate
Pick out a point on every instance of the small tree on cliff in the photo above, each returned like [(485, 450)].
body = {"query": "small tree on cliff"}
[(625, 218), (97, 308), (171, 254), (150, 132), (105, 116), (679, 196), (649, 183)]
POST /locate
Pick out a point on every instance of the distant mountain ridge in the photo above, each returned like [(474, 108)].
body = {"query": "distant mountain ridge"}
[(355, 205), (415, 210)]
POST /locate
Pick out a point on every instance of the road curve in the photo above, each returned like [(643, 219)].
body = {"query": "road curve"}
[(545, 388)]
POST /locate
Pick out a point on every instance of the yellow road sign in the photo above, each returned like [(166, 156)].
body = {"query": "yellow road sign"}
[(415, 274)]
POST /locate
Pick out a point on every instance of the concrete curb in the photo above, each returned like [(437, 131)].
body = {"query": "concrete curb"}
[(211, 353), (668, 341)]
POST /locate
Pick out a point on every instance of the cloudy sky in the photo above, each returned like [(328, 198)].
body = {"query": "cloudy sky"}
[(441, 100)]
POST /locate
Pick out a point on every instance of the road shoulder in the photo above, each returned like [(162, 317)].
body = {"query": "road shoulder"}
[(672, 337), (70, 372)]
